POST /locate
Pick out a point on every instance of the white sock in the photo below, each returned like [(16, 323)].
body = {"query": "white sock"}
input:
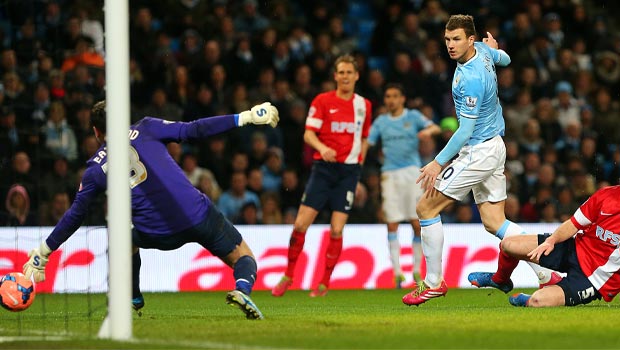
[(394, 246), (417, 254), (432, 245), (543, 273)]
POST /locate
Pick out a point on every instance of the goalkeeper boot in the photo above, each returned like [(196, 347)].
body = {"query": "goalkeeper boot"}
[(423, 293), (319, 291), (245, 304), (137, 302), (519, 299), (555, 279), (282, 286), (484, 279)]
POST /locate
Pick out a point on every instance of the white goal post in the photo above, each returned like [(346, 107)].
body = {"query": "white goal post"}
[(118, 322)]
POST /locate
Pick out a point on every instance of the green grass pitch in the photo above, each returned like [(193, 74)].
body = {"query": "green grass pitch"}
[(351, 319)]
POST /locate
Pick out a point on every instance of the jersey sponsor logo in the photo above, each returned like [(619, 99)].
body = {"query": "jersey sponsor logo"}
[(333, 110), (607, 236), (343, 127), (470, 102)]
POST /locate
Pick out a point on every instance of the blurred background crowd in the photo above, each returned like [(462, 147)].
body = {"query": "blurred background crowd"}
[(198, 58)]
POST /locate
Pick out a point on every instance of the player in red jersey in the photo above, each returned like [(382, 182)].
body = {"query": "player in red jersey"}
[(337, 126), (584, 246)]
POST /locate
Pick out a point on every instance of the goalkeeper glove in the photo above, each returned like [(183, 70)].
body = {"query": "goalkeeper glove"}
[(35, 267), (263, 113)]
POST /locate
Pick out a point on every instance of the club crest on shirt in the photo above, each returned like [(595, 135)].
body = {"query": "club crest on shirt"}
[(407, 125), (470, 102), (360, 112)]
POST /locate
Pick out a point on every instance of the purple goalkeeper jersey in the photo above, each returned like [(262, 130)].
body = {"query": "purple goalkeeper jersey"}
[(163, 201)]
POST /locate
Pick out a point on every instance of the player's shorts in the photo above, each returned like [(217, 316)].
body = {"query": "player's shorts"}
[(478, 168), (576, 286), (400, 193), (214, 233), (331, 184)]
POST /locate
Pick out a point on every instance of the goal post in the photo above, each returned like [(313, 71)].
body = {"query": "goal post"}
[(118, 323)]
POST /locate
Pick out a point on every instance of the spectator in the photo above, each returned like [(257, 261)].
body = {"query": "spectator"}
[(59, 137), (189, 164), (231, 201), (53, 211), (60, 179), (208, 185), (248, 215), (272, 214), (255, 181), (17, 204), (272, 169)]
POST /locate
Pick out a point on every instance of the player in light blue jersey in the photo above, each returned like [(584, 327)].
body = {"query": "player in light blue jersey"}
[(400, 131), (479, 166)]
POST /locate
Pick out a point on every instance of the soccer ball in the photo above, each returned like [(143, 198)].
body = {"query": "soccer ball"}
[(16, 292)]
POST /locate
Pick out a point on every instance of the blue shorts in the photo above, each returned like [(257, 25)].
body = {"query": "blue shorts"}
[(333, 184), (576, 286), (215, 233)]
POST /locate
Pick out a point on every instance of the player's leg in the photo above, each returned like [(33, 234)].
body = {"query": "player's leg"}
[(340, 200), (574, 289), (137, 299), (433, 284), (222, 239), (315, 196), (431, 230), (416, 194), (416, 244), (394, 250), (332, 253), (495, 222), (490, 196), (244, 267), (394, 212)]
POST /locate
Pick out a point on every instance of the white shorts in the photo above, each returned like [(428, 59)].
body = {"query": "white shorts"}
[(478, 168), (400, 193)]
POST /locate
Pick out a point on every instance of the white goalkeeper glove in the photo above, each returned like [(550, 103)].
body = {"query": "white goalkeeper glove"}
[(263, 113), (35, 267)]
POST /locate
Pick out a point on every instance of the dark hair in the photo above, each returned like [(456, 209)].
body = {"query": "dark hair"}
[(98, 117), (465, 22), (396, 86)]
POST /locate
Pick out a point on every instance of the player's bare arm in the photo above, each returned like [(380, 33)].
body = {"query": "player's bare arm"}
[(365, 147), (327, 154), (562, 233), (428, 132)]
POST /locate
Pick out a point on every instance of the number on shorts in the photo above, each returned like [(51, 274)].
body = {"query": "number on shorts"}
[(447, 173), (586, 294)]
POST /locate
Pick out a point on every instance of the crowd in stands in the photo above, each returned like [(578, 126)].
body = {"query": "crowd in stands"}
[(197, 58)]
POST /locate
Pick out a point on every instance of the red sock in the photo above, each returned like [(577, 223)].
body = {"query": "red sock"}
[(506, 264), (296, 245), (332, 254)]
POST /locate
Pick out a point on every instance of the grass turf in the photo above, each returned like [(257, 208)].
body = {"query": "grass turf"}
[(359, 319)]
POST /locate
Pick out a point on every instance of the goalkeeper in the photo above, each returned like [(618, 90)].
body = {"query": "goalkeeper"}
[(167, 211)]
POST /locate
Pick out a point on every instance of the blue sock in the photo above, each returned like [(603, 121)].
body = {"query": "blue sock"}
[(136, 262), (245, 274)]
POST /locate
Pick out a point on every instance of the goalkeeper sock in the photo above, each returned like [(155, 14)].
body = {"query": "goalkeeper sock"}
[(245, 274), (508, 229), (394, 247), (136, 263), (432, 244), (332, 254), (296, 245)]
